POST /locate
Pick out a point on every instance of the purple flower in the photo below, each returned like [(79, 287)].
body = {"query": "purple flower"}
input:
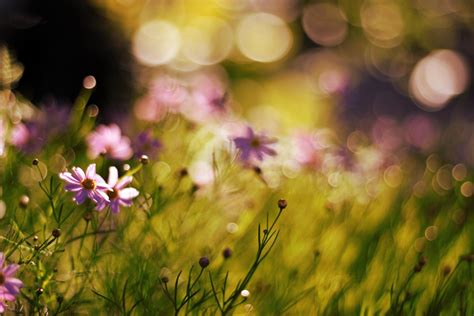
[(108, 140), (88, 184), (31, 135), (9, 286), (119, 195), (146, 144), (254, 146)]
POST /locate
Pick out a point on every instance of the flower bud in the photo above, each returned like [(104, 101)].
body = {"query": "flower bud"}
[(56, 233), (227, 253), (203, 262), (24, 201), (144, 159), (282, 204)]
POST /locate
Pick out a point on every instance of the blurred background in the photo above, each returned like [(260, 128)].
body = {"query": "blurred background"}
[(395, 73)]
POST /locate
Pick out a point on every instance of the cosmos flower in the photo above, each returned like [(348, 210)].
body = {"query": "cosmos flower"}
[(9, 286), (119, 195), (88, 184), (108, 140), (146, 144), (254, 146)]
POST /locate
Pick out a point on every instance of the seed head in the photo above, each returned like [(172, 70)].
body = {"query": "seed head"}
[(282, 204), (35, 162), (227, 253), (56, 233), (165, 279), (203, 262)]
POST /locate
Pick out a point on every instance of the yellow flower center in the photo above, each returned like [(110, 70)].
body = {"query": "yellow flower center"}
[(88, 184)]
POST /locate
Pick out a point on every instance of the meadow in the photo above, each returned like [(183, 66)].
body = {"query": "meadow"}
[(199, 202)]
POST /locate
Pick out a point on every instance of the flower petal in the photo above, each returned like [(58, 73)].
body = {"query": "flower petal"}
[(113, 176), (123, 182), (78, 173), (72, 187), (80, 197), (128, 193), (90, 172), (68, 177), (11, 269)]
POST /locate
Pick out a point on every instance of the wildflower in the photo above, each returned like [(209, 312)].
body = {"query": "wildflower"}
[(146, 144), (119, 195), (88, 184), (254, 146), (9, 286), (108, 140)]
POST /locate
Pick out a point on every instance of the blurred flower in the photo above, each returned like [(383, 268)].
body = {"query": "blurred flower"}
[(31, 135), (307, 152), (146, 144), (88, 184), (9, 286), (208, 100), (108, 140), (119, 195), (166, 94), (27, 137), (254, 146)]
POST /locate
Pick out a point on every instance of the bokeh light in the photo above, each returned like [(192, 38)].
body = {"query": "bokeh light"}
[(207, 40), (324, 23), (437, 78), (156, 42), (263, 37)]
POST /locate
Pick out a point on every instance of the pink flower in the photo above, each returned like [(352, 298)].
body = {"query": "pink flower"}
[(9, 286), (119, 195), (88, 184), (254, 146), (307, 152), (209, 99), (108, 140)]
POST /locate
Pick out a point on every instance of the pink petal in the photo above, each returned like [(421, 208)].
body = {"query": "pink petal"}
[(10, 270), (78, 174), (73, 187), (128, 193), (124, 182), (90, 172), (80, 197), (113, 176), (67, 176)]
